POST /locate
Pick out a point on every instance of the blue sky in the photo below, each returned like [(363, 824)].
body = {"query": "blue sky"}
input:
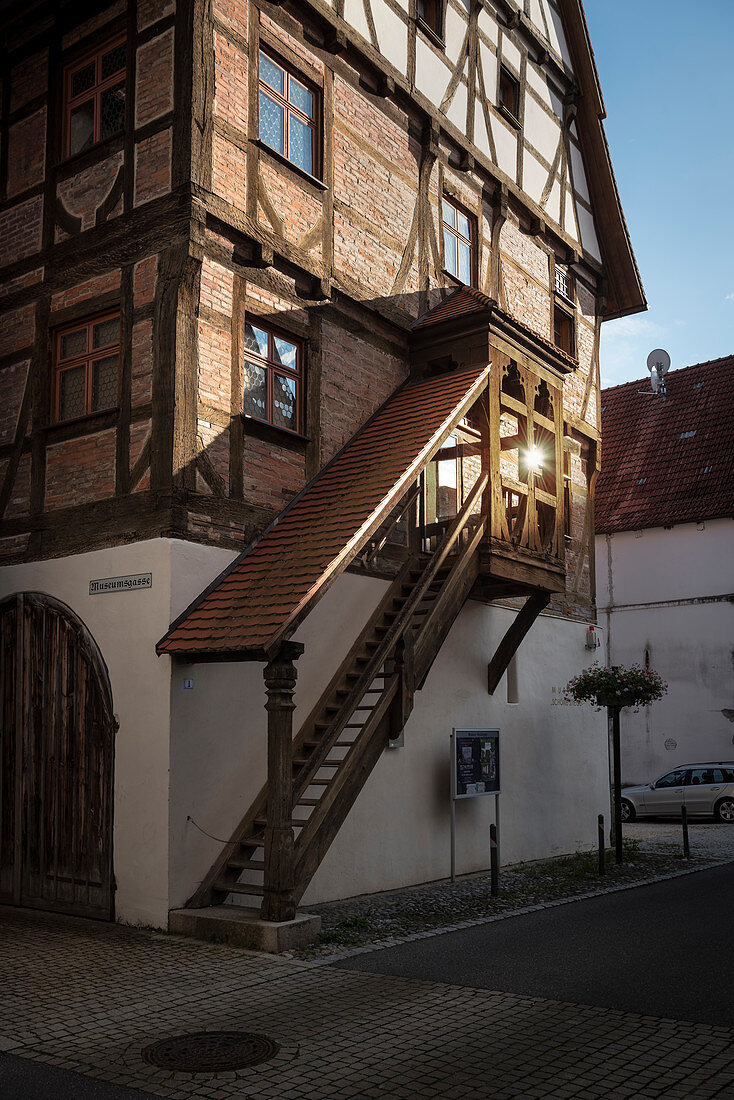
[(667, 76)]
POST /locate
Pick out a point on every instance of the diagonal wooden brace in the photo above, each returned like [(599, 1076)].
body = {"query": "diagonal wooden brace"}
[(515, 633)]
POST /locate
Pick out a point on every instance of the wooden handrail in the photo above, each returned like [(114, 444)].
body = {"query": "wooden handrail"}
[(395, 631)]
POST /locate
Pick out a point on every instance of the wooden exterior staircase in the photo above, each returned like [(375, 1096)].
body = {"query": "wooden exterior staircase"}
[(281, 840)]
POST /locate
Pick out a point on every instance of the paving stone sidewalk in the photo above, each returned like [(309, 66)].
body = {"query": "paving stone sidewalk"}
[(88, 996)]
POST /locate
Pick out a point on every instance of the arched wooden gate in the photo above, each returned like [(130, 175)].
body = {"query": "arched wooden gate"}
[(56, 761)]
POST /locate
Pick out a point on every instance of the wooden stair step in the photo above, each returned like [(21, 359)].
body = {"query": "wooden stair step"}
[(239, 888), (246, 864), (344, 744), (308, 802), (253, 841), (299, 821)]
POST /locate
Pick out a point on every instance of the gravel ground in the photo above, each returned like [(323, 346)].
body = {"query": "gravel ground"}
[(707, 840), (653, 851)]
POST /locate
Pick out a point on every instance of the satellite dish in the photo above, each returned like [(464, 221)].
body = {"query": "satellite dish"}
[(659, 361)]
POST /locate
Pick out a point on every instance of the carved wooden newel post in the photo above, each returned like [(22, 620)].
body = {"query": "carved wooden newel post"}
[(280, 681)]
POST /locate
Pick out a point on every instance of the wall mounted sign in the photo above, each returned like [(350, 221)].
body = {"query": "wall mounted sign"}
[(475, 762), (132, 583)]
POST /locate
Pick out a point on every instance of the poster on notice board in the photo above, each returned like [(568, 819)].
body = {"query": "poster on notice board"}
[(475, 762)]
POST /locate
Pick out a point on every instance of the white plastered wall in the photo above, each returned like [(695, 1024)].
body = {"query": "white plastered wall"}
[(661, 590), (553, 761), (219, 728), (554, 758)]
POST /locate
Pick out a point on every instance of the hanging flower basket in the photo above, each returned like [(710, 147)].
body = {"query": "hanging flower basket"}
[(616, 686)]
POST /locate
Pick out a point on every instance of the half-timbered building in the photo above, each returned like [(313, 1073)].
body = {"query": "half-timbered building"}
[(299, 375)]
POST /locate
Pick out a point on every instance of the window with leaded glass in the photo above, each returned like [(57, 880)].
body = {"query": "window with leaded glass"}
[(288, 114), (458, 241), (273, 371), (94, 97), (87, 366)]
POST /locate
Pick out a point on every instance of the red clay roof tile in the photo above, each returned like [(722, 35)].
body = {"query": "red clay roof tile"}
[(672, 461), (259, 600)]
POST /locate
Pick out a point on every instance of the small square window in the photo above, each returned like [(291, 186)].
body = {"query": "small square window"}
[(563, 330), (94, 98), (272, 377), (509, 93), (86, 367), (563, 282), (288, 114), (458, 241)]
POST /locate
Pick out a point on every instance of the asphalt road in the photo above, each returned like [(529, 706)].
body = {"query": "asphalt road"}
[(659, 950), (22, 1079)]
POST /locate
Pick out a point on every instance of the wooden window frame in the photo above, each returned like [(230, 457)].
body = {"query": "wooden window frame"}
[(505, 74), (70, 103), (562, 309), (471, 240), (272, 367), (315, 123), (88, 358), (431, 19)]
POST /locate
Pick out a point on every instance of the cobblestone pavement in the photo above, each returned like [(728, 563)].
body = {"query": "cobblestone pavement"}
[(88, 996)]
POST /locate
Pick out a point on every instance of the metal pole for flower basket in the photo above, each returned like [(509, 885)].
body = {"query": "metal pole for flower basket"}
[(614, 688), (613, 717)]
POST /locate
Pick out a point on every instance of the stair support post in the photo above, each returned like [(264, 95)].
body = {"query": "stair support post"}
[(279, 880), (404, 671)]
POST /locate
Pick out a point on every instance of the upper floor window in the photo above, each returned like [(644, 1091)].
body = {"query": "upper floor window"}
[(563, 282), (430, 14), (564, 326), (458, 241), (563, 330), (509, 93), (272, 377), (288, 114), (94, 98), (86, 357)]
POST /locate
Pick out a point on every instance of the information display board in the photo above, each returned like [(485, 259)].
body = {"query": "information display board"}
[(475, 762)]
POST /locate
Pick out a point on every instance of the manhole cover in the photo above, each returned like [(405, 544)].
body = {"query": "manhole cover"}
[(210, 1051)]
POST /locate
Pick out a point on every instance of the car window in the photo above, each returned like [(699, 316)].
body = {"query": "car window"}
[(706, 775), (728, 775), (672, 779)]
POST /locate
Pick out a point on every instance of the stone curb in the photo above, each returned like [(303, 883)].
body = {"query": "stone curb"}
[(395, 941)]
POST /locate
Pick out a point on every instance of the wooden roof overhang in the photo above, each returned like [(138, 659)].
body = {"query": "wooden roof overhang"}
[(467, 311), (625, 291), (257, 603)]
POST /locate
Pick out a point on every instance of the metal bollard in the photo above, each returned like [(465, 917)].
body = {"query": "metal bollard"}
[(601, 844), (493, 863), (684, 822)]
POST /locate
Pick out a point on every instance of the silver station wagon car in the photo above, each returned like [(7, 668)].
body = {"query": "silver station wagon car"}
[(706, 790)]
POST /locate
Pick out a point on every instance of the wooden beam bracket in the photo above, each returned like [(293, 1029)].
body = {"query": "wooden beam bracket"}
[(515, 633)]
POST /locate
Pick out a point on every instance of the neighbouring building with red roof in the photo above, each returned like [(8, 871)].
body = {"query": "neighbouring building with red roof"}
[(300, 310), (665, 560)]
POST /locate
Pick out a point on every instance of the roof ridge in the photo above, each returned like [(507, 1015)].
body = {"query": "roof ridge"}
[(678, 370)]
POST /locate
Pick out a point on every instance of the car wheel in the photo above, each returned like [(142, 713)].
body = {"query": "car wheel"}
[(724, 811), (628, 811)]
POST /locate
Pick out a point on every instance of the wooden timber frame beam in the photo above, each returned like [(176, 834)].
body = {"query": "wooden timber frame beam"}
[(515, 633)]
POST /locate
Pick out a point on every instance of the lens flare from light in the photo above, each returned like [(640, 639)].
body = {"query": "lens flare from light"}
[(535, 459)]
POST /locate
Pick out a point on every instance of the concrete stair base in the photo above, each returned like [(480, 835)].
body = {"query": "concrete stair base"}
[(242, 927)]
